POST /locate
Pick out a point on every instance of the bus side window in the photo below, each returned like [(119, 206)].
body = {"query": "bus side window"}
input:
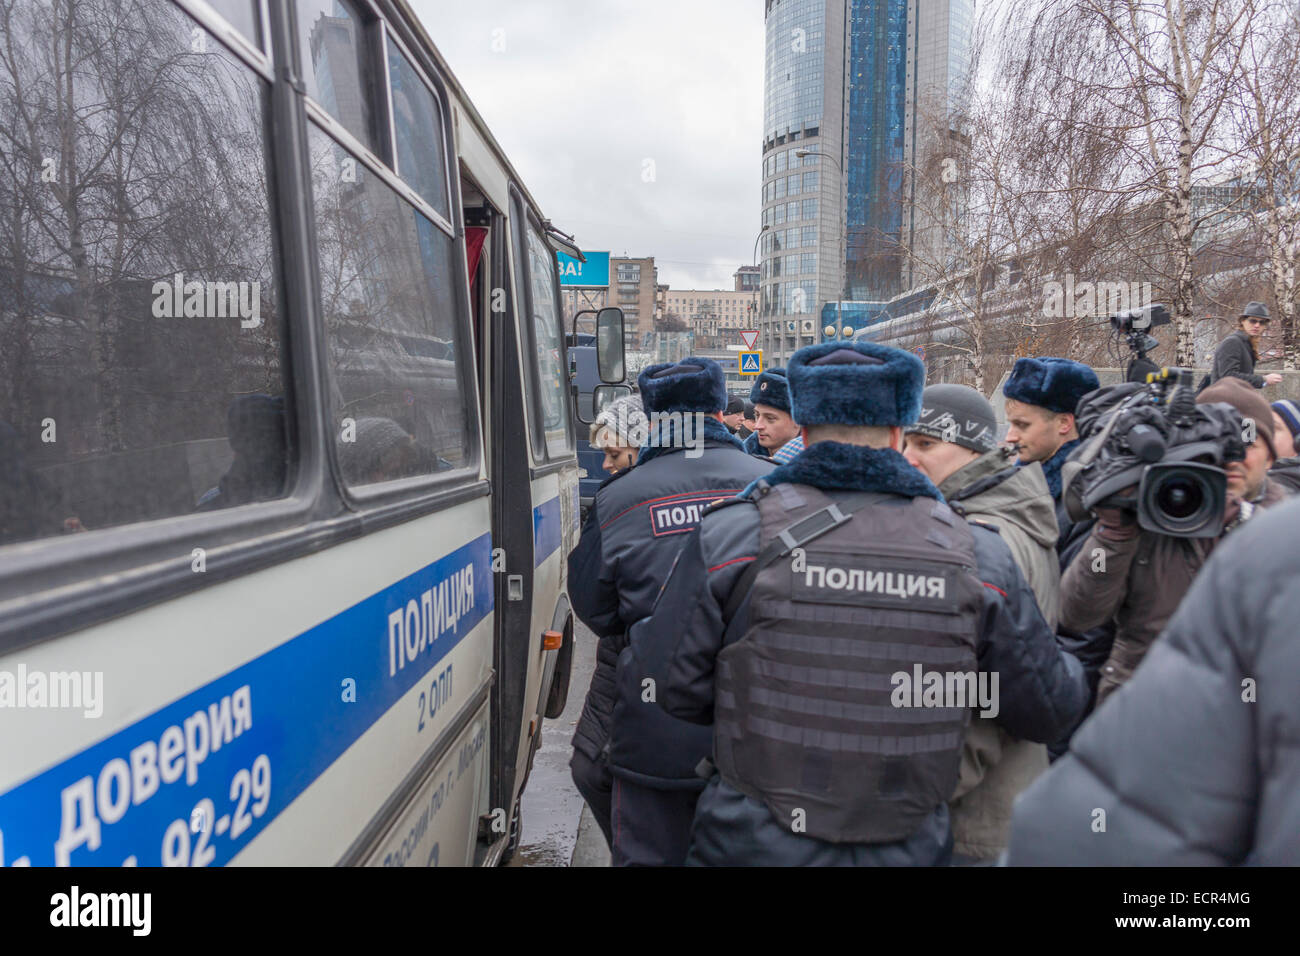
[(337, 65), (417, 126), (392, 323), (139, 274), (546, 374)]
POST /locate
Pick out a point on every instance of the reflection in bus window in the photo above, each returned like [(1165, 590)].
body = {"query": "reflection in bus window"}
[(552, 380), (244, 15), (137, 267), (337, 66), (255, 428), (387, 277), (418, 125)]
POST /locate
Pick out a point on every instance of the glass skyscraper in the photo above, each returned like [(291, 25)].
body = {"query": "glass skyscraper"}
[(845, 84)]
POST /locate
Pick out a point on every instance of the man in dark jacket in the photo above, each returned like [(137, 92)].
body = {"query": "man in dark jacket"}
[(1286, 429), (863, 579), (1236, 357), (1195, 762), (1041, 397), (636, 525)]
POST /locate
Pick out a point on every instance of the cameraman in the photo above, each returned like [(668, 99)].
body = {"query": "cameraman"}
[(1249, 480), (1137, 578)]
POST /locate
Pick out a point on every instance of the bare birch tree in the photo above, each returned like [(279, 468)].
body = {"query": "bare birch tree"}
[(1267, 120), (1154, 77)]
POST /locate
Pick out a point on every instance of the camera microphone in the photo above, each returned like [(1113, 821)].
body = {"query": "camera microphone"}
[(1146, 443)]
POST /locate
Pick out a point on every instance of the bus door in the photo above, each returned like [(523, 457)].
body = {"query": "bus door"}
[(512, 526)]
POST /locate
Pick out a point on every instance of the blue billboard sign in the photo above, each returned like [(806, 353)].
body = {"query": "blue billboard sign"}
[(594, 273)]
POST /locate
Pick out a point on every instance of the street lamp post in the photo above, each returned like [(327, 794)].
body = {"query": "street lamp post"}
[(844, 232), (765, 228)]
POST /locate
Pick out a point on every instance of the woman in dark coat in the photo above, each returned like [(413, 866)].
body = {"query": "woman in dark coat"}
[(1236, 355)]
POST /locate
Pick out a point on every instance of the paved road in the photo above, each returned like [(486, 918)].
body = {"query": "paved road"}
[(557, 828)]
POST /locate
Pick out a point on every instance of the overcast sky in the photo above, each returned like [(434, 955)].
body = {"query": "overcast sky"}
[(636, 125)]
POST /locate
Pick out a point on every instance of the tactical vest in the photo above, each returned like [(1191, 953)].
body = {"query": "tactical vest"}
[(812, 715)]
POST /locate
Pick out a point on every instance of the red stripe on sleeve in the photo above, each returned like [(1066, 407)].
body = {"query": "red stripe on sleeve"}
[(725, 563)]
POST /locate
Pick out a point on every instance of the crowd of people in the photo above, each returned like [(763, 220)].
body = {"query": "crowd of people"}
[(858, 627)]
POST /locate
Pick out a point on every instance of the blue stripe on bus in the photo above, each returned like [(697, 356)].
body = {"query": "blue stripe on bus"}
[(547, 532), (300, 721)]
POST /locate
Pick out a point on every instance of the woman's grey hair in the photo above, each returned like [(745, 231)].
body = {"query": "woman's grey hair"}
[(626, 420)]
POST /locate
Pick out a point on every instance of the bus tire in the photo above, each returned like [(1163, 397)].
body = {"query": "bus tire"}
[(558, 696)]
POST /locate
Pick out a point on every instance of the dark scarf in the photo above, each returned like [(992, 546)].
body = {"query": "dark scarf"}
[(1052, 468), (832, 465), (663, 437)]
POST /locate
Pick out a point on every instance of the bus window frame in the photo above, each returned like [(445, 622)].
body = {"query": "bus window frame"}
[(404, 491), (259, 58), (439, 100), (61, 584), (544, 462)]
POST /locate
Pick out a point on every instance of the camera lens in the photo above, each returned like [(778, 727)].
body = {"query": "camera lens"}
[(1180, 498)]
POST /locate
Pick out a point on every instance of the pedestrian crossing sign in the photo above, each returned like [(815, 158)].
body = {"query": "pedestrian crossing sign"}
[(751, 363)]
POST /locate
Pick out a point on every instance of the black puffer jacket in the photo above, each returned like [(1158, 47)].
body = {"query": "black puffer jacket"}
[(1041, 690), (637, 523), (1196, 760)]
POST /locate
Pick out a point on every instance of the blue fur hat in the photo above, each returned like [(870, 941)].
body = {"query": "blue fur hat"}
[(691, 385), (1056, 384), (856, 383), (772, 388)]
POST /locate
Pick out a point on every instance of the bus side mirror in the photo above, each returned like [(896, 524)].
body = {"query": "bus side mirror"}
[(604, 394), (609, 345)]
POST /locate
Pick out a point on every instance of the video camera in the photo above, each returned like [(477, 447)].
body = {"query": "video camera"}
[(1133, 326), (1154, 436)]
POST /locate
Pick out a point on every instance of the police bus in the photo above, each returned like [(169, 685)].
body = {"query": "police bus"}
[(287, 452)]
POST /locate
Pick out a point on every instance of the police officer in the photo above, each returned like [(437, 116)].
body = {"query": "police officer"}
[(734, 415), (1041, 396), (636, 525), (795, 609), (775, 432)]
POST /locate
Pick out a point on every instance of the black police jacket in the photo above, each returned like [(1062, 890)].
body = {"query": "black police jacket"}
[(637, 523), (1041, 689)]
